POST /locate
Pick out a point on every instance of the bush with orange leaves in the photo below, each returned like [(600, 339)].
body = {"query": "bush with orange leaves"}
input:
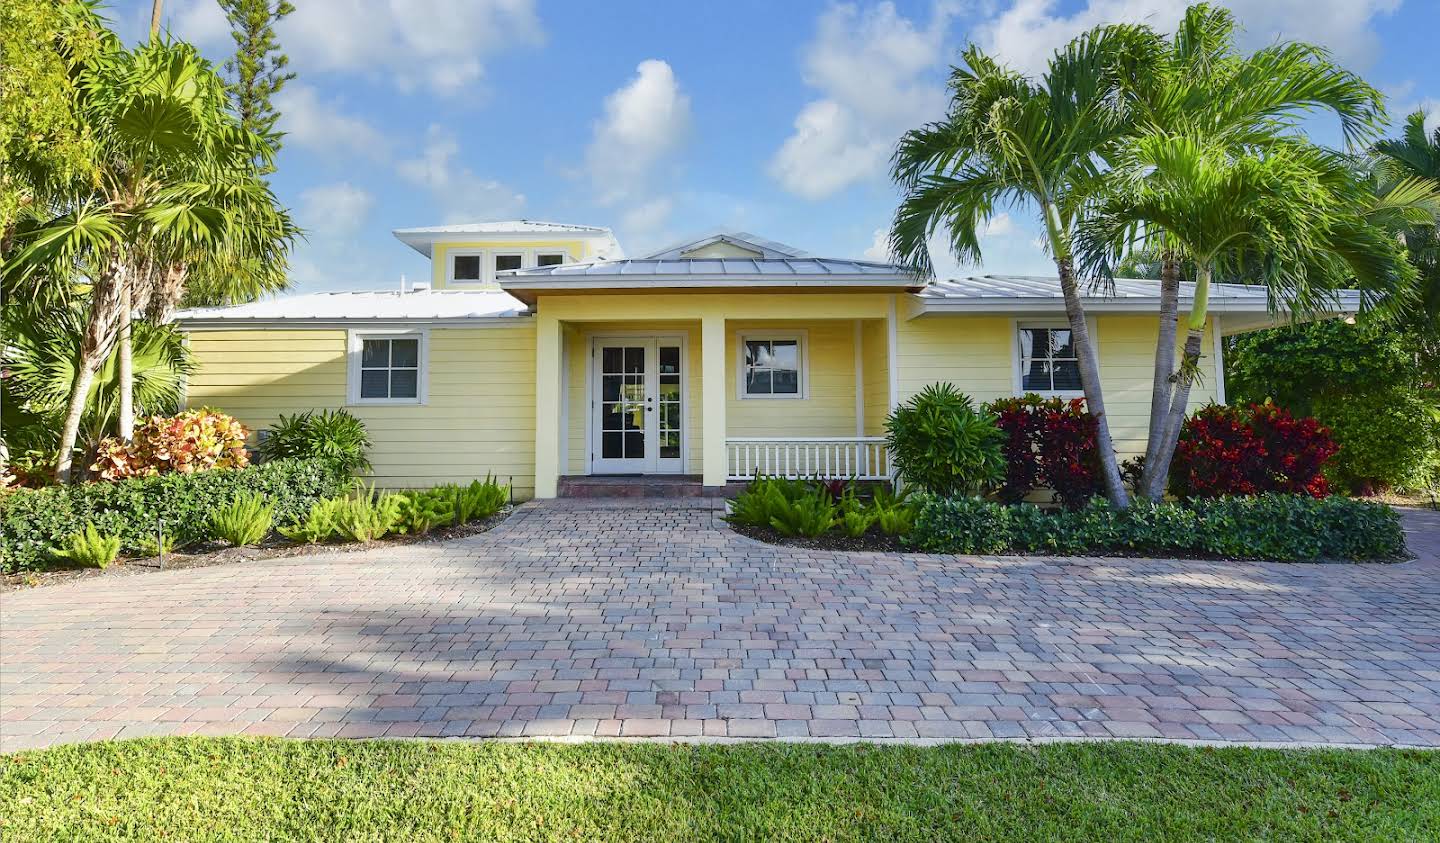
[(195, 440)]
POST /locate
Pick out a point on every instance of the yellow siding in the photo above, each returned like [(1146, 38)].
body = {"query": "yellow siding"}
[(723, 250), (829, 406), (876, 344), (479, 417), (439, 261), (976, 353)]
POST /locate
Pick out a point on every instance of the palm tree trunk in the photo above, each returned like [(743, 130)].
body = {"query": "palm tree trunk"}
[(1152, 479), (101, 326), (125, 370), (1090, 381), (1185, 376)]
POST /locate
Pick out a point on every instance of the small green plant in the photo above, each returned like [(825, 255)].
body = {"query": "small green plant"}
[(941, 442), (476, 501), (148, 546), (423, 511), (892, 511), (88, 547), (758, 505), (369, 515), (856, 522), (318, 524), (333, 435), (810, 515), (246, 520)]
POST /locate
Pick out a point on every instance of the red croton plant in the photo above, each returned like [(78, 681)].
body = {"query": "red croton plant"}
[(1251, 450), (1051, 443), (195, 440)]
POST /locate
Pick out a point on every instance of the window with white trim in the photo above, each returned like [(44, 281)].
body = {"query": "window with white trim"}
[(504, 261), (549, 258), (1048, 361), (387, 368), (772, 366), (466, 267)]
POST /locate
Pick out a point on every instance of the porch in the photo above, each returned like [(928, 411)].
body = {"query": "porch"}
[(710, 388)]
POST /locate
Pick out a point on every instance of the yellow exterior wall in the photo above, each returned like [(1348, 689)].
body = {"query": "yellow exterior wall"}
[(875, 341), (722, 250), (440, 251), (977, 354), (828, 409), (479, 416)]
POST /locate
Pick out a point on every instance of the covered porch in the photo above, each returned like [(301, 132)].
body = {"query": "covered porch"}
[(714, 387)]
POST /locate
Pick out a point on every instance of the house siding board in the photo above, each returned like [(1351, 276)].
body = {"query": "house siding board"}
[(828, 409), (481, 398), (875, 345)]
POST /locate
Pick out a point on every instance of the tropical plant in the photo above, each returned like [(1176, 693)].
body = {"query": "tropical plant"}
[(246, 520), (177, 204), (156, 545), (941, 442), (810, 515), (88, 547), (318, 524), (1011, 140), (423, 511), (1251, 450), (856, 522), (195, 440), (330, 434), (1050, 442), (1387, 439), (369, 515), (477, 500), (894, 512), (1400, 164), (1215, 175)]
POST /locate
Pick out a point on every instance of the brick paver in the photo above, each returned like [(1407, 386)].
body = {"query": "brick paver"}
[(644, 619)]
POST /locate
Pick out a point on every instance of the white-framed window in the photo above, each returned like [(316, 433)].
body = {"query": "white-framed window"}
[(1045, 359), (772, 365), (466, 266), (509, 260), (388, 367), (550, 258)]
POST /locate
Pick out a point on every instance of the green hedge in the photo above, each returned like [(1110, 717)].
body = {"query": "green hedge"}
[(33, 520), (1283, 528)]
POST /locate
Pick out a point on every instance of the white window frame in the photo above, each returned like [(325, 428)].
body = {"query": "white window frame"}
[(525, 261), (1017, 356), (545, 253), (450, 257), (802, 341), (422, 375)]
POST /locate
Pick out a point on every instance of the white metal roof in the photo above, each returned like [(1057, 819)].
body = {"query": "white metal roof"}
[(744, 239), (1033, 292), (422, 238), (419, 306), (720, 267)]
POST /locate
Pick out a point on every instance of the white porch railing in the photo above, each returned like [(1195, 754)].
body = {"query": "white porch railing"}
[(860, 458)]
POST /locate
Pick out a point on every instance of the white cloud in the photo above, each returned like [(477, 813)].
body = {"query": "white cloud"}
[(643, 122), (873, 70), (1005, 244), (647, 217), (1430, 106), (310, 122), (462, 195), (335, 210), (440, 44), (1029, 31), (999, 225)]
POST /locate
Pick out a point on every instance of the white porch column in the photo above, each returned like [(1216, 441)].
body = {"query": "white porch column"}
[(547, 405), (712, 397)]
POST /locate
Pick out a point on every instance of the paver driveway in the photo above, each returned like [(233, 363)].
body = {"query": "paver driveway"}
[(604, 618)]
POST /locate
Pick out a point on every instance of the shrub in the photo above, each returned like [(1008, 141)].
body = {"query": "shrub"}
[(1251, 450), (856, 522), (1387, 439), (476, 501), (89, 548), (153, 547), (810, 515), (1274, 527), (1049, 442), (245, 520), (330, 434), (940, 442), (192, 441), (894, 513), (369, 515), (763, 499), (33, 519), (421, 512), (318, 524)]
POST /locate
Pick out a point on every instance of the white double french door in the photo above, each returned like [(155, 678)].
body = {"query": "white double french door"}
[(637, 397)]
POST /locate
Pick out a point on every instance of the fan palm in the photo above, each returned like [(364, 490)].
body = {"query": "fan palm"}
[(1196, 85), (178, 193), (1008, 140)]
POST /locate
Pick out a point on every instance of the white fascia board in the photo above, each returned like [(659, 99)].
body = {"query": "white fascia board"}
[(423, 241), (594, 282), (353, 322)]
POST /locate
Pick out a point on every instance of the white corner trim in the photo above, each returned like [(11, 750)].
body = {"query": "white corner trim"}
[(859, 343), (352, 367), (1219, 359), (802, 339)]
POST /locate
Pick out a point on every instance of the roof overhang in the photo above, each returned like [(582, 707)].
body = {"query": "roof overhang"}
[(1348, 302), (346, 323), (528, 290), (423, 240)]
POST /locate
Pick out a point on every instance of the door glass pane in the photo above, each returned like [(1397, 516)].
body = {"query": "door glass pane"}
[(375, 353), (669, 359), (403, 383), (612, 445), (669, 388), (635, 360), (670, 445), (610, 387), (404, 354), (611, 359), (634, 446), (612, 416)]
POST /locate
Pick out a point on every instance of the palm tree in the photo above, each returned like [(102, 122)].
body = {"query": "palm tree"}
[(1008, 140), (178, 192), (1408, 165), (1196, 85)]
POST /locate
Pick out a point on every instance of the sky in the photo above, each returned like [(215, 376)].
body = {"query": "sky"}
[(665, 120)]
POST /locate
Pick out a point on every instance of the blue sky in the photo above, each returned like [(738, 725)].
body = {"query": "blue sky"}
[(663, 120)]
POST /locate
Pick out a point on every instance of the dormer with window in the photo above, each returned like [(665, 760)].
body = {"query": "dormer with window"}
[(474, 256)]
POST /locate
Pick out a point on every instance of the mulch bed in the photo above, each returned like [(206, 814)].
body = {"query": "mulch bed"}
[(874, 540), (219, 553)]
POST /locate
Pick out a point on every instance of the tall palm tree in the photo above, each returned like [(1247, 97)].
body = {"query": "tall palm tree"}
[(1008, 140), (178, 191), (1196, 84), (1410, 164)]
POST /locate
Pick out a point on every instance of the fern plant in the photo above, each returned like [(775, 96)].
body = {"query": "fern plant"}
[(757, 505), (246, 520), (88, 547), (476, 501), (893, 512), (369, 515), (318, 524), (148, 546), (421, 512), (855, 522), (810, 515)]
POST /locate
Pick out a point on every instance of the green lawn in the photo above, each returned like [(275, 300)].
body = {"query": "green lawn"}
[(233, 788)]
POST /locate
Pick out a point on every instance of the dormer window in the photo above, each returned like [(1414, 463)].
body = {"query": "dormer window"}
[(549, 258), (504, 262), (465, 268)]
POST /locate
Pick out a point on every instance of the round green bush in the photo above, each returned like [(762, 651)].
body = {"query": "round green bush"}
[(940, 441), (1387, 439)]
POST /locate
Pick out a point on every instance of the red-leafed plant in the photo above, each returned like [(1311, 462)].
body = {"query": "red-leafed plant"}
[(1050, 442), (1250, 450), (195, 440)]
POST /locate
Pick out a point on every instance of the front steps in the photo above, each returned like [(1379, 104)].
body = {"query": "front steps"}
[(641, 486)]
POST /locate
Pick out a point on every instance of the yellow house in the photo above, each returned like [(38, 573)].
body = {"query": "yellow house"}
[(539, 353)]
